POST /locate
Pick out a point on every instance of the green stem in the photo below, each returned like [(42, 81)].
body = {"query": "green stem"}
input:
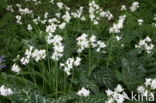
[(50, 72), (89, 62), (71, 84), (81, 100), (56, 79), (98, 61), (34, 78), (111, 49), (65, 82)]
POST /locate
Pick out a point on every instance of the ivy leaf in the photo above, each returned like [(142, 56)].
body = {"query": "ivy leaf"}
[(104, 77), (133, 72)]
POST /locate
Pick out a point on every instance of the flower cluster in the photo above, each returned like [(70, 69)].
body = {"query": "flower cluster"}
[(118, 26), (84, 41), (16, 68), (118, 95), (10, 8), (78, 14), (135, 6), (145, 44), (25, 11), (28, 52), (18, 19), (36, 2), (29, 27), (67, 16), (70, 63), (60, 21), (57, 46), (94, 10), (83, 92), (22, 11), (5, 91), (51, 28), (148, 87), (37, 55)]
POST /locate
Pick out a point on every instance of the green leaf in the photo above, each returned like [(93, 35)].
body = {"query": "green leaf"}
[(104, 77), (118, 75)]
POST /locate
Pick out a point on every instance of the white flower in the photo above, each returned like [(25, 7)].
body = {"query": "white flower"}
[(116, 96), (29, 27), (149, 48), (56, 56), (82, 42), (148, 39), (134, 7), (118, 26), (83, 18), (18, 19), (57, 46), (109, 92), (141, 89), (38, 54), (77, 61), (35, 21), (148, 87), (28, 53), (153, 84), (140, 21), (66, 17), (51, 28), (119, 98), (18, 5), (110, 100), (123, 7), (119, 88), (145, 45), (78, 13), (100, 45), (15, 68), (62, 25), (148, 82), (118, 38), (5, 91), (145, 93), (51, 1), (24, 60), (70, 63), (93, 40), (46, 15), (25, 11), (59, 4), (83, 92), (9, 8), (34, 54), (95, 12)]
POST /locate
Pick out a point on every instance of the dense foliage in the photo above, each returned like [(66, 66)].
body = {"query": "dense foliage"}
[(77, 51)]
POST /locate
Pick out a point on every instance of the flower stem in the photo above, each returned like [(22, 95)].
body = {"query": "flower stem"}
[(111, 48), (56, 75), (71, 84), (89, 62)]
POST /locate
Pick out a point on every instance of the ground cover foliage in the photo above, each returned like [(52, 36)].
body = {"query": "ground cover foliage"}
[(77, 51)]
